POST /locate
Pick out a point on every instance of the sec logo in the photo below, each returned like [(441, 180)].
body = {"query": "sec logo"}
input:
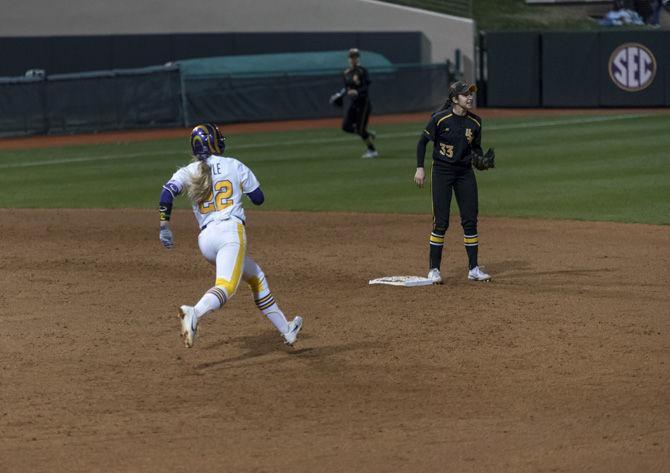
[(632, 67)]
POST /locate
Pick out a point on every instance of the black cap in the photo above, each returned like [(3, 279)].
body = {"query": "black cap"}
[(461, 88), (353, 52)]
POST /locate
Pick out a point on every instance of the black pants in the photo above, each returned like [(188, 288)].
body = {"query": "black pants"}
[(461, 181), (356, 118)]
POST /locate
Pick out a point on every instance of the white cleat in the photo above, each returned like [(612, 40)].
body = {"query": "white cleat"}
[(189, 325), (370, 154), (476, 274), (294, 327), (434, 275)]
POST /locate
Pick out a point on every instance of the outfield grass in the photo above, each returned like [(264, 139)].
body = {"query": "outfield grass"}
[(450, 7), (516, 15), (512, 15), (584, 167)]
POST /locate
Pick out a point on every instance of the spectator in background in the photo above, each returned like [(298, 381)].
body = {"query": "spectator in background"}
[(655, 19), (621, 15), (644, 9)]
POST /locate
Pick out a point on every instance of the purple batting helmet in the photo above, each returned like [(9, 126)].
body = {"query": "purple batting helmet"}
[(207, 140)]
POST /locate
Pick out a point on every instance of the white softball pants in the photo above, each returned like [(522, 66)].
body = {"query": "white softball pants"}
[(224, 244)]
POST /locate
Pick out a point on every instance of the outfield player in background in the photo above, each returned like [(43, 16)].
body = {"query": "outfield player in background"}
[(216, 184), (456, 133), (357, 86)]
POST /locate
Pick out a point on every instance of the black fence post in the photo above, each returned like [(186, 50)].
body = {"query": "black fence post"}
[(480, 69)]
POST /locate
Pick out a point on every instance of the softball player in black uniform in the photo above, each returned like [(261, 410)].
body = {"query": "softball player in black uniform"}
[(455, 133), (357, 84)]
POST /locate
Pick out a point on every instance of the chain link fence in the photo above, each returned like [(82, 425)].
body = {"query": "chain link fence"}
[(162, 97)]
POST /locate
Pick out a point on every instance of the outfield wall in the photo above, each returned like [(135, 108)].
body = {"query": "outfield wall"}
[(167, 96), (72, 54), (579, 69), (43, 18)]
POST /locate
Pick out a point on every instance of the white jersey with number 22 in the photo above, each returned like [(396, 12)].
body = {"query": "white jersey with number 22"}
[(231, 179)]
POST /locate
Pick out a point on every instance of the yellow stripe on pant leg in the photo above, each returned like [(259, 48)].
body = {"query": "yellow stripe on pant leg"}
[(231, 286), (256, 285)]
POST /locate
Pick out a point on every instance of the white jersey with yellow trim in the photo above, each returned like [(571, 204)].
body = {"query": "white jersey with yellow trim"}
[(231, 179)]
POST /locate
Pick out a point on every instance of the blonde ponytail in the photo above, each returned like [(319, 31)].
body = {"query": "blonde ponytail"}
[(200, 187)]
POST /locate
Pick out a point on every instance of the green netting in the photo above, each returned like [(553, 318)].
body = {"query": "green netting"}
[(230, 99), (114, 100), (92, 101), (282, 63), (22, 106)]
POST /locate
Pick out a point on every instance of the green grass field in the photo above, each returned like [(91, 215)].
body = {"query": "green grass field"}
[(609, 167), (514, 15)]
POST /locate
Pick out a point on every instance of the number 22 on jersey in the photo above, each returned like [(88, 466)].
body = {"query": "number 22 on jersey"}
[(219, 199)]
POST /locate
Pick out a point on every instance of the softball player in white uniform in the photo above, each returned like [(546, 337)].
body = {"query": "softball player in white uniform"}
[(216, 185)]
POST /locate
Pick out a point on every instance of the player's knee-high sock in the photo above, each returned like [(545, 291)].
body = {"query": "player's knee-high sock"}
[(471, 247), (266, 303), (370, 143), (436, 245), (271, 310), (368, 138), (212, 300)]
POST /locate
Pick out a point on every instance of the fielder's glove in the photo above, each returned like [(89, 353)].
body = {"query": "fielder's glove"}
[(165, 236), (487, 161), (337, 99)]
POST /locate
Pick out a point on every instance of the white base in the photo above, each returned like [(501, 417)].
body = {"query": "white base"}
[(407, 281)]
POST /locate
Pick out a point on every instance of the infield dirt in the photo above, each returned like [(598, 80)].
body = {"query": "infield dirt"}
[(559, 364)]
